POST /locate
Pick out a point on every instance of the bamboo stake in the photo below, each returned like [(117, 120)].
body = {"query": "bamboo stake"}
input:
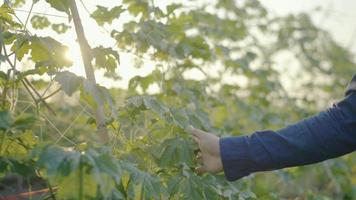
[(87, 57)]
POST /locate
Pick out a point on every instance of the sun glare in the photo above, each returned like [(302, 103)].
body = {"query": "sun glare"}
[(73, 54)]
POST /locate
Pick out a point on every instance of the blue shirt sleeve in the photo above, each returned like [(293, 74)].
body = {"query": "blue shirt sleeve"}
[(327, 135)]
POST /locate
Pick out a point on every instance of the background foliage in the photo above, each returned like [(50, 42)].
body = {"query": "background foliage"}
[(47, 129)]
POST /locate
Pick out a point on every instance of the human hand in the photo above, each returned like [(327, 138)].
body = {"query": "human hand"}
[(209, 155)]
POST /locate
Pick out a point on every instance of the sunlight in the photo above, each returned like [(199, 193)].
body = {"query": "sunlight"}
[(73, 54)]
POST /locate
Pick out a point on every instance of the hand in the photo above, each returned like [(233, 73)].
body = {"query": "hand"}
[(209, 155)]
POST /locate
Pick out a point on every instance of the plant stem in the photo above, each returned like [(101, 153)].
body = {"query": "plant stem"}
[(81, 182), (89, 71), (28, 84), (53, 93)]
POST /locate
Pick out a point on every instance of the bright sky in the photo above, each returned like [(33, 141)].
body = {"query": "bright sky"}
[(338, 16)]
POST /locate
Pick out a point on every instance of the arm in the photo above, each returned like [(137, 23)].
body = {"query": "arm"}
[(329, 134)]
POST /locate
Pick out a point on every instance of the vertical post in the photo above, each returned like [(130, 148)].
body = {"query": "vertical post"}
[(89, 71)]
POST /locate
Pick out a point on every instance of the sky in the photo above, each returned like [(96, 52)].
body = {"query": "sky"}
[(337, 16)]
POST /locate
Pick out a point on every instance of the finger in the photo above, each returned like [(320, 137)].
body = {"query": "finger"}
[(195, 132), (200, 170)]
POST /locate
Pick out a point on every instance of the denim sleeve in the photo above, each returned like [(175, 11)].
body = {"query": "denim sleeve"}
[(327, 135)]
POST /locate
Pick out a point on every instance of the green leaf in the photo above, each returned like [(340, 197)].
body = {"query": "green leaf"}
[(8, 37), (60, 28), (145, 81), (108, 99), (195, 187), (3, 76), (60, 5), (172, 7), (56, 160), (181, 118), (176, 151), (18, 145), (40, 22), (57, 52), (5, 119), (14, 166), (44, 50), (89, 93), (69, 81), (6, 13), (24, 122), (106, 58), (39, 52), (103, 15), (96, 95), (136, 7), (104, 169), (21, 46), (87, 172), (142, 185), (147, 103)]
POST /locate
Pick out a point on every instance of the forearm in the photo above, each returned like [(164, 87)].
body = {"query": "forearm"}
[(329, 134)]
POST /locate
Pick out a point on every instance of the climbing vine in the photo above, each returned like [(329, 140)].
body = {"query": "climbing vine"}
[(64, 136)]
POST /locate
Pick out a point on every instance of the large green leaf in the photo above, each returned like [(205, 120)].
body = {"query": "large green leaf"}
[(6, 16), (195, 187), (15, 166), (56, 160), (24, 122), (104, 169), (56, 50), (40, 22), (175, 152), (87, 172), (106, 58), (136, 7), (142, 185), (69, 81), (60, 5), (147, 103), (45, 51), (103, 15), (21, 46), (145, 81)]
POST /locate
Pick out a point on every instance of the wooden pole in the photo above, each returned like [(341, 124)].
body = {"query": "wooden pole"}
[(89, 71)]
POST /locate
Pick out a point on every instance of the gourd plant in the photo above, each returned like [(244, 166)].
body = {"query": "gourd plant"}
[(130, 143)]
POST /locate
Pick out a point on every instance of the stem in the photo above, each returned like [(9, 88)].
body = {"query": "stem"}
[(39, 96), (53, 93), (29, 188), (28, 15), (0, 39), (4, 91), (81, 182), (28, 85), (86, 57), (2, 142), (51, 191)]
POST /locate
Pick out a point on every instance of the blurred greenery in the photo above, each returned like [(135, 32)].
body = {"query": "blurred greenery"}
[(49, 139)]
